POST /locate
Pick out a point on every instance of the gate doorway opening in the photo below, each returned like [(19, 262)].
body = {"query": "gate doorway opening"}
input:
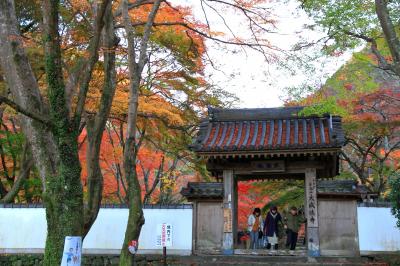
[(264, 194)]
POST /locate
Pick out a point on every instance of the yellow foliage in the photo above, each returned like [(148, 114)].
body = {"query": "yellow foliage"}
[(168, 183)]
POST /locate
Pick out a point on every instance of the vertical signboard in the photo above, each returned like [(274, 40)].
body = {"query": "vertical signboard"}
[(227, 220), (72, 251), (164, 235), (311, 191)]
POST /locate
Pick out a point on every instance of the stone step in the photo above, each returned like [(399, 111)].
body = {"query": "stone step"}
[(266, 252), (239, 260)]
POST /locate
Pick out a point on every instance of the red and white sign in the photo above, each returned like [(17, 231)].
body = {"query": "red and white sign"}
[(164, 235), (133, 246)]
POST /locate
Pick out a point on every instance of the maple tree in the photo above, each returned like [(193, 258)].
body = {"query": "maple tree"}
[(157, 164), (367, 98), (136, 64), (60, 66), (373, 140), (365, 91), (284, 194), (51, 115), (250, 196)]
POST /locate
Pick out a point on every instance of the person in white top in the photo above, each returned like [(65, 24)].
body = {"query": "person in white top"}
[(255, 227)]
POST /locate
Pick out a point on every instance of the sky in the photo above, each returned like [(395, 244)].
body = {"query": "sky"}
[(245, 73)]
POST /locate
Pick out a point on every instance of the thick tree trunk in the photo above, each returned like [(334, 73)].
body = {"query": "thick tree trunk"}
[(54, 149), (53, 138), (63, 201), (64, 193), (25, 90)]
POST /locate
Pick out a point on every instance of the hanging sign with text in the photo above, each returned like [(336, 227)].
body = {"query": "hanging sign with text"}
[(267, 166)]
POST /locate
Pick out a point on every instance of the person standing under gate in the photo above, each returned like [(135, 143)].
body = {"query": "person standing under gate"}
[(292, 224), (255, 225), (271, 227)]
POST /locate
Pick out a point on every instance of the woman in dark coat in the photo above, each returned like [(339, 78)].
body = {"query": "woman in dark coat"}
[(271, 227)]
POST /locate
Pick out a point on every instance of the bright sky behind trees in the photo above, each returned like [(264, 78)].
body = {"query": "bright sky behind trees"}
[(254, 81)]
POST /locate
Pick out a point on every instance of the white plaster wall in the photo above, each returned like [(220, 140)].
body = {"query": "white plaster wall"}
[(24, 230), (377, 230)]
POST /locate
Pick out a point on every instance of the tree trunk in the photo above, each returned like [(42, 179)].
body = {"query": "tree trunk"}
[(135, 218), (63, 201), (49, 130), (389, 32), (25, 90), (96, 125), (64, 193)]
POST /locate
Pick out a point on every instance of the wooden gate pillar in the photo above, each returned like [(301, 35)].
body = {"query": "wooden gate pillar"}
[(227, 240), (312, 212)]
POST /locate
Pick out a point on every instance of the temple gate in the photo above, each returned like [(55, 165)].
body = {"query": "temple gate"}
[(266, 143)]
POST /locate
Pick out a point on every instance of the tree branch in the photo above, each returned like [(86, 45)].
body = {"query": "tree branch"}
[(25, 112), (382, 62), (26, 165), (95, 125), (389, 32), (130, 6), (208, 36), (88, 66), (155, 182)]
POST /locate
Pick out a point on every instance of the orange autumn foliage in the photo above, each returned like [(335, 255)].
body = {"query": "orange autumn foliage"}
[(148, 159), (170, 31)]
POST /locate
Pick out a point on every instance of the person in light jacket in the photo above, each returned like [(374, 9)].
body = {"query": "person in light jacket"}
[(255, 225)]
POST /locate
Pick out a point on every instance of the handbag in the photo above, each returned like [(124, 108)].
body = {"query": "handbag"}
[(260, 234)]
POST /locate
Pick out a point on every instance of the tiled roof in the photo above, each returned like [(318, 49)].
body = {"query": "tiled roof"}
[(215, 190), (267, 129), (340, 187)]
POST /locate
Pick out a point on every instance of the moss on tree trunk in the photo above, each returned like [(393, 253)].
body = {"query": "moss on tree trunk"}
[(64, 195), (50, 128), (64, 202)]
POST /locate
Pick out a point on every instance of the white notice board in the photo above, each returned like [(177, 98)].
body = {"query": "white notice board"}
[(164, 235)]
